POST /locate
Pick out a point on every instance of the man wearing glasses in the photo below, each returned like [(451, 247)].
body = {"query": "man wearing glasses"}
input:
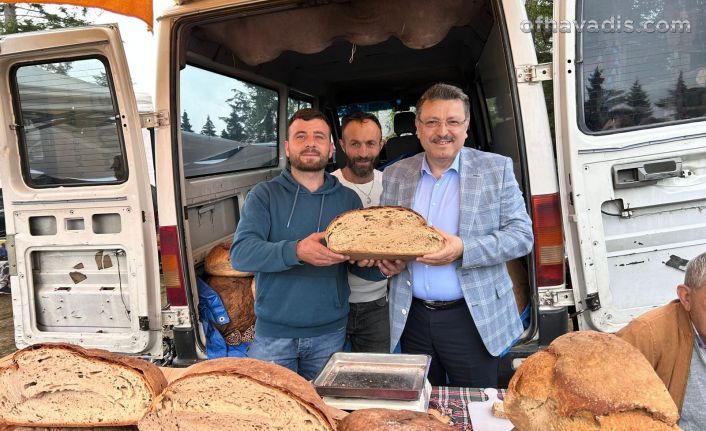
[(457, 304)]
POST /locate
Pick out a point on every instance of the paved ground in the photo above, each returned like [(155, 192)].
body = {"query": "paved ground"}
[(7, 333)]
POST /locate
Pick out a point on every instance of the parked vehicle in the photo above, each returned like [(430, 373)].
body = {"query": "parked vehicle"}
[(621, 192)]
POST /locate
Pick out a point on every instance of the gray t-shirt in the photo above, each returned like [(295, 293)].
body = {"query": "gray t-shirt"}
[(693, 412), (363, 290)]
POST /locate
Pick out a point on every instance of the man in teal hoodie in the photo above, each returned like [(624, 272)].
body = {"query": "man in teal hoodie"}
[(302, 287)]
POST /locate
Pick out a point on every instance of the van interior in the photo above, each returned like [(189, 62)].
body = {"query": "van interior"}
[(338, 57)]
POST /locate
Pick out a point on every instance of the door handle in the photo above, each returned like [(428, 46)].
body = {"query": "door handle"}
[(645, 173)]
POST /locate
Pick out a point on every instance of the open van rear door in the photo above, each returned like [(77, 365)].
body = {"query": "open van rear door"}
[(630, 94), (79, 214)]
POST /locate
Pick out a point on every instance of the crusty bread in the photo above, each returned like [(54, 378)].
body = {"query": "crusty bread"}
[(382, 233), (63, 385), (237, 298), (238, 394), (498, 410), (589, 381), (391, 420), (20, 428), (218, 262)]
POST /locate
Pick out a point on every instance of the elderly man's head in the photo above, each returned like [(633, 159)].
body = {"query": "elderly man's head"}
[(692, 293)]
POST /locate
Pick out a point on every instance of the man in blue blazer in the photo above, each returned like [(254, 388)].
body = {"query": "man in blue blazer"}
[(457, 305)]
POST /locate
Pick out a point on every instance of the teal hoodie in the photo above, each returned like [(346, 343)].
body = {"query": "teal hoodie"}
[(294, 299)]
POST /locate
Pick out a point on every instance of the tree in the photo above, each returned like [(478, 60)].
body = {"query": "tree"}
[(677, 99), (639, 102), (24, 17), (208, 129), (600, 103), (235, 121), (185, 123)]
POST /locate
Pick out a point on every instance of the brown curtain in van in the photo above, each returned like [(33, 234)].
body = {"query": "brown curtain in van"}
[(257, 39), (141, 9)]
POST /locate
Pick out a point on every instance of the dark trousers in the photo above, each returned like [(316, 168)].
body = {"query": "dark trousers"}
[(456, 348), (369, 326)]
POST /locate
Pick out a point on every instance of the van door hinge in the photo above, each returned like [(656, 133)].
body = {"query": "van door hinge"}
[(592, 302), (155, 120), (534, 72)]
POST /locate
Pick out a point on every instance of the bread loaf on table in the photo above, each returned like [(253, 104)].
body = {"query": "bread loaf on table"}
[(238, 394), (391, 420), (387, 232), (67, 386), (218, 262), (588, 381)]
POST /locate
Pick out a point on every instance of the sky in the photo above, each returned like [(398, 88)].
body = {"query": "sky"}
[(139, 44)]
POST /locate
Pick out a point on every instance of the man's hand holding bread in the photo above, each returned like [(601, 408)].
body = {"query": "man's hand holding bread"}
[(453, 250)]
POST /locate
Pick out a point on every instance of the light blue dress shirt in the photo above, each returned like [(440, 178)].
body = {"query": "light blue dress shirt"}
[(438, 202)]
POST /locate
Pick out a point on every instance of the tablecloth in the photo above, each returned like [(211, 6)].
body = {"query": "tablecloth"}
[(453, 402)]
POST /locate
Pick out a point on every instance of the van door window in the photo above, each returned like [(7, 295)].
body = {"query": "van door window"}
[(70, 131), (294, 104), (644, 63), (228, 125)]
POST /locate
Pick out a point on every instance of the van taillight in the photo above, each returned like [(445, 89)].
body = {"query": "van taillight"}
[(548, 240), (171, 265)]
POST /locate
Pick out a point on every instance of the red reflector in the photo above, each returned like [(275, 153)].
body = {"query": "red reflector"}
[(548, 240), (171, 265)]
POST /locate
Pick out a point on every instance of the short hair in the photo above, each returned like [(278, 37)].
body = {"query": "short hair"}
[(360, 117), (307, 114), (695, 276), (441, 91)]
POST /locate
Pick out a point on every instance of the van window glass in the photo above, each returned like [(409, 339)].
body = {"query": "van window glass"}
[(294, 104), (227, 125), (644, 63), (70, 132), (382, 110)]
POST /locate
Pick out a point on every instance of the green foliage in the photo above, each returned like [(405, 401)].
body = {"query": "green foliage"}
[(185, 123), (638, 100), (253, 115), (601, 103), (24, 17), (208, 129)]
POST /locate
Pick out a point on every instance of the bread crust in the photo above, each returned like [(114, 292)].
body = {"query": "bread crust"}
[(237, 297), (273, 376), (588, 380), (148, 372), (389, 420), (408, 219), (218, 262)]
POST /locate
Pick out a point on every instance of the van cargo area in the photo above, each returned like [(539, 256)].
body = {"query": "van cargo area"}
[(338, 57)]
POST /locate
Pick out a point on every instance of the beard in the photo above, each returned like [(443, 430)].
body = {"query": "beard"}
[(312, 165), (362, 170)]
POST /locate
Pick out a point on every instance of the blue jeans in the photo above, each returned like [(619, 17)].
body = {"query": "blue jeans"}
[(305, 356), (369, 326)]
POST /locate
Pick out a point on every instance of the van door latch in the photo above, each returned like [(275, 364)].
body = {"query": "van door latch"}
[(533, 72), (592, 302), (155, 120)]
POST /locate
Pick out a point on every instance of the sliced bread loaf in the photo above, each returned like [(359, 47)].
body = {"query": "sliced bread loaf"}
[(238, 394), (391, 420), (63, 385), (387, 232)]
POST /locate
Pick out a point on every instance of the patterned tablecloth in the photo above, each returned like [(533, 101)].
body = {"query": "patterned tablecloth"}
[(454, 402)]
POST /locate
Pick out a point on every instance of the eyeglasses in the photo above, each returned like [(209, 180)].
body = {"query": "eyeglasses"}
[(451, 123)]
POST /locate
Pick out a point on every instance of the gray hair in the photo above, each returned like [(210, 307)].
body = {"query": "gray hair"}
[(443, 91), (695, 276)]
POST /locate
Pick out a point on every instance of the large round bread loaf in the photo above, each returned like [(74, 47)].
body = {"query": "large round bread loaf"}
[(229, 394), (218, 262), (391, 420), (588, 381), (61, 385), (387, 232), (237, 297)]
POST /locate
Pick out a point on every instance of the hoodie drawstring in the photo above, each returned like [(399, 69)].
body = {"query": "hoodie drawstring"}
[(321, 211), (294, 204)]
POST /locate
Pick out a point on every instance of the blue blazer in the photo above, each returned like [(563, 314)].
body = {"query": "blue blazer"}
[(494, 227)]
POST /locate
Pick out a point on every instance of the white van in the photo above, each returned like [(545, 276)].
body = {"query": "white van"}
[(621, 192)]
